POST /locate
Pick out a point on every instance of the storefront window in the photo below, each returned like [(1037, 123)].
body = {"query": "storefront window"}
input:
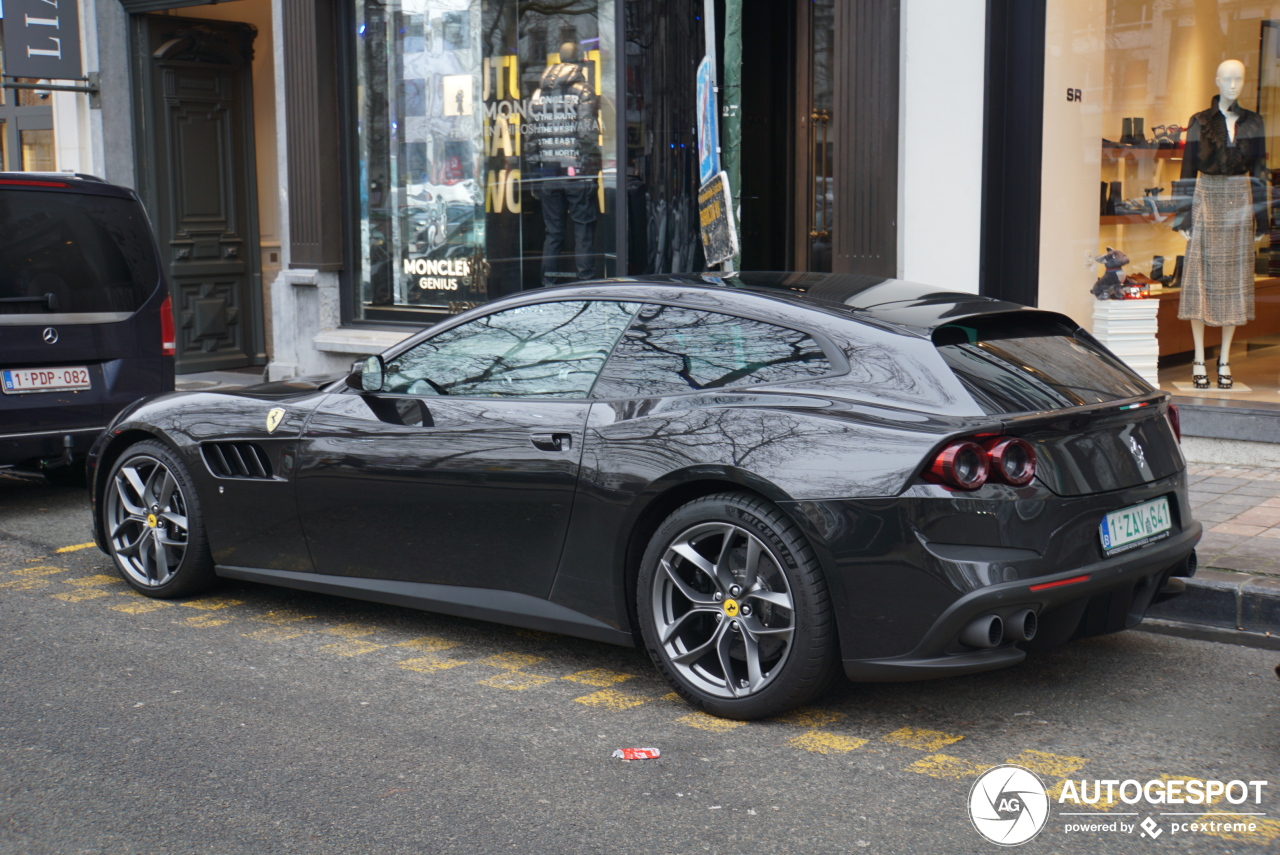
[(487, 150), (1160, 173)]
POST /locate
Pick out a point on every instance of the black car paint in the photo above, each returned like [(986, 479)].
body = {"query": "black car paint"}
[(908, 562), (123, 359)]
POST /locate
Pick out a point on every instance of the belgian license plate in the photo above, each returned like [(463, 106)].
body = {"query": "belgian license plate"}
[(1137, 526), (21, 381)]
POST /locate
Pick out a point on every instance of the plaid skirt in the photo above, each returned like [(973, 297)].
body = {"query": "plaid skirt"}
[(1217, 274)]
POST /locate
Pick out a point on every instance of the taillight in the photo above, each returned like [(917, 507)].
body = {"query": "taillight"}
[(962, 465), (1013, 460), (1175, 421), (168, 341)]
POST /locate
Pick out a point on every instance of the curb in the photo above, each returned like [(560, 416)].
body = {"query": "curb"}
[(1221, 605)]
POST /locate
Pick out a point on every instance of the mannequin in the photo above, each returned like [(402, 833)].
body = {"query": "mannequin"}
[(564, 150), (1225, 158)]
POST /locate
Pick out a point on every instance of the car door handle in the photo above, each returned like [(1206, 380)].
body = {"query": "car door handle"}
[(552, 441)]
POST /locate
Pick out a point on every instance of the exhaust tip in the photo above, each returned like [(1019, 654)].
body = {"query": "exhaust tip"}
[(985, 632), (1023, 625)]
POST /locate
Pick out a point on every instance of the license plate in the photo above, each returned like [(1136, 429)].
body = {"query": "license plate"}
[(1137, 526), (21, 381)]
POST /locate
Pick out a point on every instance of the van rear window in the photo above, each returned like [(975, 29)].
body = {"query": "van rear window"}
[(66, 253), (1016, 364)]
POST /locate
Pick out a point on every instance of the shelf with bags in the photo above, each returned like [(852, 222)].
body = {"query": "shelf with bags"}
[(1136, 219), (1145, 153)]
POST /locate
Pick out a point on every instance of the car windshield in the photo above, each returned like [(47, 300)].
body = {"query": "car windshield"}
[(1012, 365), (66, 253)]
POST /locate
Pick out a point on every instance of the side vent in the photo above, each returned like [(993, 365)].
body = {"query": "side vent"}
[(237, 460)]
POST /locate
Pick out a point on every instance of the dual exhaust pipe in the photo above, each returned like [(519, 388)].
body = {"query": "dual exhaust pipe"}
[(990, 630)]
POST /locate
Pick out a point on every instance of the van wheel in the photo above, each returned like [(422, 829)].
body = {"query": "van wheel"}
[(734, 608), (152, 522)]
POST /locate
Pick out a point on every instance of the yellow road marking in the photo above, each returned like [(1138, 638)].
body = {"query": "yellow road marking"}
[(94, 581), (351, 630), (809, 717), (272, 634), (921, 740), (1048, 765), (428, 643), (944, 766), (211, 604), (821, 742), (25, 584), (352, 647), (612, 699), (511, 661), (205, 621), (140, 606), (515, 680), (80, 596), (673, 696), (599, 677), (281, 617), (703, 721), (1266, 831), (75, 548), (431, 663), (44, 570)]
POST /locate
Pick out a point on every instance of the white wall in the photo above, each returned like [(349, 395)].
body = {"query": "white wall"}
[(1075, 49), (940, 173)]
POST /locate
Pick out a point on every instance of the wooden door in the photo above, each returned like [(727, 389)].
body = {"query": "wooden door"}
[(197, 177)]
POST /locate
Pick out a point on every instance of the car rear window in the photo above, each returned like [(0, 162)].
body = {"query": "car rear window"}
[(1027, 364), (78, 254)]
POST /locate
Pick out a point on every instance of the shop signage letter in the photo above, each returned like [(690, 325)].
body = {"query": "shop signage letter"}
[(42, 39)]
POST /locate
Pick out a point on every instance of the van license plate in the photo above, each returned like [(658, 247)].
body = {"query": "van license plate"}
[(21, 381), (1136, 526)]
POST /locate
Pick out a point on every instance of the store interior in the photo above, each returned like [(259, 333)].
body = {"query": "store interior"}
[(1159, 71)]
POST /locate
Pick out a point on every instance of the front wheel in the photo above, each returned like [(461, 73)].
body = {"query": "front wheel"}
[(151, 516), (734, 609)]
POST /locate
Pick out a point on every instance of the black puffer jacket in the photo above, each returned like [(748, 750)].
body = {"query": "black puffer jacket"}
[(565, 130)]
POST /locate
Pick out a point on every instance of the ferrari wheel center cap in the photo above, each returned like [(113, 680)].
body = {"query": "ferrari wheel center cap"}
[(731, 608), (152, 522)]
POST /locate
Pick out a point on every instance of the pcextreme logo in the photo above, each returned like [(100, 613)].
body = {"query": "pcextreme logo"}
[(1008, 805)]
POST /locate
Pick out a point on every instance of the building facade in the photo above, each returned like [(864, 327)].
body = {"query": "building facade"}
[(327, 176)]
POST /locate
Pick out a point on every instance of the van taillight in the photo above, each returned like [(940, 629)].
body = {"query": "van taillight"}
[(1175, 421), (168, 341)]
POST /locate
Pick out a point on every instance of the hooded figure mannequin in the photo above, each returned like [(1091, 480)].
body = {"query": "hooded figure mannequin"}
[(564, 150), (1226, 158)]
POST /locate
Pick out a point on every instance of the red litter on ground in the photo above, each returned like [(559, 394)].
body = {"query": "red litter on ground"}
[(637, 754)]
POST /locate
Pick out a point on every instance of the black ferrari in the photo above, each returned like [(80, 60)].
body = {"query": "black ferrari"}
[(762, 479)]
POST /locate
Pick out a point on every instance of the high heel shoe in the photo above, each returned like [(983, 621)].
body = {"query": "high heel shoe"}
[(1199, 378), (1224, 376)]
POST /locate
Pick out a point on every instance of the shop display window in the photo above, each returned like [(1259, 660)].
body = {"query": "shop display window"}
[(486, 150), (1151, 191)]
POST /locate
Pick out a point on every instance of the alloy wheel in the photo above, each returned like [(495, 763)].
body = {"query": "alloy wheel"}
[(147, 519), (724, 611)]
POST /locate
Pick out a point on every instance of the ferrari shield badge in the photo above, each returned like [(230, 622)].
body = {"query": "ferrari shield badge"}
[(273, 419)]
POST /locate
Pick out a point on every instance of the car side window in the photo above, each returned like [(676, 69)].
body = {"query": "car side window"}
[(546, 350), (670, 349)]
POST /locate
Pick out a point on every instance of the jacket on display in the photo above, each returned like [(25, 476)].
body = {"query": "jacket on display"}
[(1211, 151), (564, 131)]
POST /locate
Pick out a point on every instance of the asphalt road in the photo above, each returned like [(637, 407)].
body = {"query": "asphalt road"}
[(259, 720)]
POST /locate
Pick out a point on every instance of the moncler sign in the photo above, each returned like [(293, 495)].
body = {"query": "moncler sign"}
[(42, 39)]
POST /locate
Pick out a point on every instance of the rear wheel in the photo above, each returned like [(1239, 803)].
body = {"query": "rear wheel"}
[(151, 517), (734, 609)]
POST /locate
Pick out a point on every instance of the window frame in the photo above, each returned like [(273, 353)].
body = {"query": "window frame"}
[(834, 355), (456, 321)]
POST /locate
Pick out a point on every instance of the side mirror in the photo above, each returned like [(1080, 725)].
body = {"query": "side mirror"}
[(367, 375)]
